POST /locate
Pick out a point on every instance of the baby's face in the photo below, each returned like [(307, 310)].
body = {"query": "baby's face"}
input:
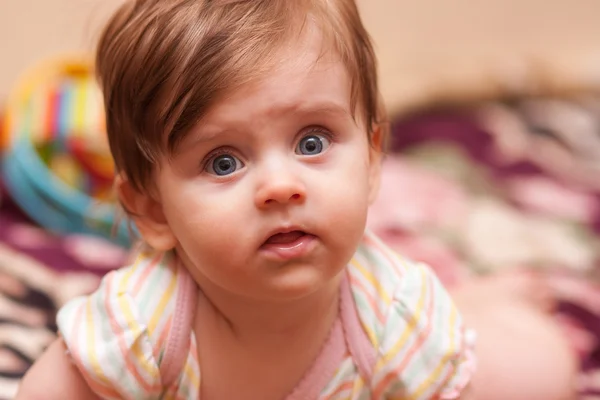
[(268, 195)]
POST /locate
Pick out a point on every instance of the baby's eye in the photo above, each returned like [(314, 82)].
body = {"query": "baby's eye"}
[(312, 145), (224, 164)]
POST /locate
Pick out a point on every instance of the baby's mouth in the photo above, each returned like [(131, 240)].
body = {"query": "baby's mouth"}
[(285, 238), (285, 246)]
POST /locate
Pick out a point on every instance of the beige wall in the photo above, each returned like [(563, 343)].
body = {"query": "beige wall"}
[(425, 46)]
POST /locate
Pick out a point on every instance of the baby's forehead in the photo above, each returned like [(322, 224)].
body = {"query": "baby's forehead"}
[(289, 89), (299, 76)]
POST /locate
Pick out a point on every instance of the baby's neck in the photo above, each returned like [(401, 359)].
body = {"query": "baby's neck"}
[(265, 347), (250, 319)]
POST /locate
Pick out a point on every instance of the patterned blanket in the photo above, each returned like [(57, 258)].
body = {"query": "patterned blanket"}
[(38, 273)]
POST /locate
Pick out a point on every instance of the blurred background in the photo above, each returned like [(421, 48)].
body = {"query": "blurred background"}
[(495, 116), (425, 47)]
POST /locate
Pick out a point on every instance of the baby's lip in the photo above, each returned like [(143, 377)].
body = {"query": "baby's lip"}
[(286, 244), (285, 235)]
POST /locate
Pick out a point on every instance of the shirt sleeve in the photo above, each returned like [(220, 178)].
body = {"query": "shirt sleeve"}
[(425, 350), (108, 341)]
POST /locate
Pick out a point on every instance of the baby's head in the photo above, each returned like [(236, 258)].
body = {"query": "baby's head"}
[(246, 135)]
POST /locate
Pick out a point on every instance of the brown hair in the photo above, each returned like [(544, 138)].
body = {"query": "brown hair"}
[(163, 63)]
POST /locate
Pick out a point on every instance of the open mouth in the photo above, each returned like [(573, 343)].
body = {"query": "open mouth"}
[(285, 238), (288, 245)]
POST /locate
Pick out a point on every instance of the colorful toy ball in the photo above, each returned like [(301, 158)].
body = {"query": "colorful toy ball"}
[(56, 162)]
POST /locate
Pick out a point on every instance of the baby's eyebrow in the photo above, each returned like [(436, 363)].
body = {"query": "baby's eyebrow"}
[(223, 2), (196, 137), (328, 107)]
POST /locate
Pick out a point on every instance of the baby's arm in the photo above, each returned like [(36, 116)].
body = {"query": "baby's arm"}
[(54, 377)]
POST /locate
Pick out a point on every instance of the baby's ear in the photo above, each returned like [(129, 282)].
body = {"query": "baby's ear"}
[(146, 211), (378, 138)]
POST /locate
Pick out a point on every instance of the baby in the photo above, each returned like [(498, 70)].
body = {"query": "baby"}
[(247, 137)]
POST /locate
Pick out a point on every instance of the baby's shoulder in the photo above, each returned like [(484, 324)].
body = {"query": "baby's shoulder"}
[(149, 279), (385, 275), (411, 321), (122, 327), (140, 293), (149, 274), (387, 287)]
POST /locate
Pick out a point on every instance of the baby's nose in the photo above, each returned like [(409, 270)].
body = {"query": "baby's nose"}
[(281, 187)]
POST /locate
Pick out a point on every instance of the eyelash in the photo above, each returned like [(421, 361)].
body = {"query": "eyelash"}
[(310, 130), (316, 129), (214, 154)]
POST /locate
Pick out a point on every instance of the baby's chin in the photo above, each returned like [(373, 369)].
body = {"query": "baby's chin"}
[(300, 283)]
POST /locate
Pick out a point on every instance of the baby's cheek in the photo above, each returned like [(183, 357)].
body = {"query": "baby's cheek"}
[(350, 197), (346, 216)]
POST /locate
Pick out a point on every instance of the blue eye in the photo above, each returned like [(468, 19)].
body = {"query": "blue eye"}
[(224, 164), (312, 145)]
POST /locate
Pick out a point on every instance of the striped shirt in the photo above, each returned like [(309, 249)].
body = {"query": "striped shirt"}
[(119, 335)]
